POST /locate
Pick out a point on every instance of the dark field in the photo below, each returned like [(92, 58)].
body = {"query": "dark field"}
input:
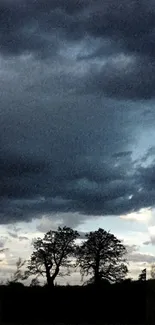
[(131, 304)]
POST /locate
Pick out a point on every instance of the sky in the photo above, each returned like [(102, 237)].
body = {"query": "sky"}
[(77, 83)]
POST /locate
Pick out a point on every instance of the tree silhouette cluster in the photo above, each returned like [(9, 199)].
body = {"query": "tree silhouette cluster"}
[(106, 298), (101, 256)]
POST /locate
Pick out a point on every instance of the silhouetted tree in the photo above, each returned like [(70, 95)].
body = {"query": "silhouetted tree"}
[(52, 253), (142, 275), (102, 256), (18, 274)]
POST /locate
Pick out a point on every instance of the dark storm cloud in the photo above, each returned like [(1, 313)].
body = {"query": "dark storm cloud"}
[(129, 22), (14, 166), (122, 154), (121, 27), (70, 157), (133, 80), (78, 189), (147, 177), (66, 142), (33, 26)]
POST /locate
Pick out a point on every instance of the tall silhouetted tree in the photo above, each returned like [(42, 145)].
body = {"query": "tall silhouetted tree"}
[(51, 253), (142, 275), (102, 256)]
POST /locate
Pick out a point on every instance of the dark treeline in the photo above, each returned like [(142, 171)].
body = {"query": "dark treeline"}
[(107, 298), (122, 303)]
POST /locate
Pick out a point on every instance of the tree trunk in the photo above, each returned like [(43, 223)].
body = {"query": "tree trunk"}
[(48, 277), (97, 278), (54, 275), (96, 271), (51, 282)]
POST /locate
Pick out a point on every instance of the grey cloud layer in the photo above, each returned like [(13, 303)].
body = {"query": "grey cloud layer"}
[(124, 29), (134, 256), (130, 22), (72, 75), (102, 191)]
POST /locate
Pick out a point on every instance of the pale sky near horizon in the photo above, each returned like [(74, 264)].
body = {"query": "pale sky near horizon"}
[(77, 123)]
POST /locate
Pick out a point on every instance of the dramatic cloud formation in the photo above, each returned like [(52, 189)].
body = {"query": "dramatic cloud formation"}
[(77, 118), (67, 135)]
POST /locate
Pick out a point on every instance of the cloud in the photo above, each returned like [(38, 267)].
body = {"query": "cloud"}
[(134, 256), (13, 235), (121, 37), (117, 22), (21, 238), (151, 232), (139, 257), (2, 242), (122, 154), (119, 78), (47, 224), (142, 216), (87, 187), (151, 241), (148, 242), (74, 80), (3, 255), (131, 248)]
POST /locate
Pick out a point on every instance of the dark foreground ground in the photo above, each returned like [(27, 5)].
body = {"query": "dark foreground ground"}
[(128, 303)]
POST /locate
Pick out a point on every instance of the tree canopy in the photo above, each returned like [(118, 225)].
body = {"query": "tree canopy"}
[(54, 251), (102, 257)]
